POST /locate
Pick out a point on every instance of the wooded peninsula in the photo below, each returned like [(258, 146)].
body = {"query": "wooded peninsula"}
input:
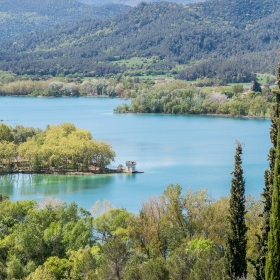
[(58, 149)]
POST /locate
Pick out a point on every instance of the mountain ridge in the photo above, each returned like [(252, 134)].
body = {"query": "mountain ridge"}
[(175, 34), (23, 16)]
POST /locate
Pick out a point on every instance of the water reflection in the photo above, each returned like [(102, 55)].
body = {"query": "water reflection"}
[(27, 184)]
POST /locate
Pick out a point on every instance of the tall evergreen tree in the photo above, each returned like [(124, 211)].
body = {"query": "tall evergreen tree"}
[(272, 271), (267, 192), (236, 238)]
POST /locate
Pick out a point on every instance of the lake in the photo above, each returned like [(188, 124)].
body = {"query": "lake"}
[(193, 151)]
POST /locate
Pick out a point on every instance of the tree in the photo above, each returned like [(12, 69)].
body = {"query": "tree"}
[(6, 133), (267, 192), (273, 261), (114, 258), (41, 273), (256, 86), (236, 238)]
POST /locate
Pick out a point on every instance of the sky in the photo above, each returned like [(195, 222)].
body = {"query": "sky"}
[(132, 2)]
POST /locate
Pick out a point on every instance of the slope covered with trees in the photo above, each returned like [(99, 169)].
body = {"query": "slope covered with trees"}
[(17, 17), (243, 31)]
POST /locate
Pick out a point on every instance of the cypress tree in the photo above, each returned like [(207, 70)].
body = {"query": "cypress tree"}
[(267, 192), (272, 266), (236, 238)]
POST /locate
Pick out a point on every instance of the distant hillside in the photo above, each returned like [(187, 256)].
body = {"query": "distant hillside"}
[(242, 31), (22, 16)]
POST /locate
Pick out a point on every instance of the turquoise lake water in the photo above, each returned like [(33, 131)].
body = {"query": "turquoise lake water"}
[(193, 151)]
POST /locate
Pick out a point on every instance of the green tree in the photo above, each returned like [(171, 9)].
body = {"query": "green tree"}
[(236, 238), (259, 264), (154, 269), (6, 133), (83, 263), (272, 271), (41, 273), (58, 267), (180, 262), (114, 258)]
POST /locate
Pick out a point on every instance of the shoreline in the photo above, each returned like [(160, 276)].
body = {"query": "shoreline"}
[(74, 173), (207, 115)]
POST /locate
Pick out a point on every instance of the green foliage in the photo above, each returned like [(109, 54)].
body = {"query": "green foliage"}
[(114, 222), (256, 86), (58, 148), (41, 273), (201, 244), (6, 133), (21, 133), (260, 262), (206, 266), (236, 239), (180, 263), (272, 205), (189, 100), (174, 236), (154, 269), (114, 258), (237, 88)]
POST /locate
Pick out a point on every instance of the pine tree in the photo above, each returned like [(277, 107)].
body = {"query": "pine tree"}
[(236, 238), (272, 271), (267, 193)]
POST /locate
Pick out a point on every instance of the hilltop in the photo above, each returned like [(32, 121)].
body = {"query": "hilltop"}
[(217, 31), (22, 16)]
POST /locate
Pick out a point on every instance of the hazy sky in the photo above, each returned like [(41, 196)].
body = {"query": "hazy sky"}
[(132, 2)]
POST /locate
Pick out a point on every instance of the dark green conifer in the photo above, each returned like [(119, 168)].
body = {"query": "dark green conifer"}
[(272, 271), (236, 238), (267, 192)]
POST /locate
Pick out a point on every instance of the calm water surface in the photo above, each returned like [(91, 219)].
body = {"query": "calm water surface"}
[(194, 151)]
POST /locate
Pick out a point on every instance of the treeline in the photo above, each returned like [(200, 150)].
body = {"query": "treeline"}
[(189, 100), (71, 85), (57, 149), (56, 88), (175, 236), (224, 71), (155, 29)]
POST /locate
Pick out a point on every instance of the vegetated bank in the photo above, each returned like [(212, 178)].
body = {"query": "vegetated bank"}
[(180, 98), (157, 95), (61, 149)]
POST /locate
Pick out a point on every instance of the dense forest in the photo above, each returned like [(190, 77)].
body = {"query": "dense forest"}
[(18, 17), (178, 235), (241, 31), (59, 148)]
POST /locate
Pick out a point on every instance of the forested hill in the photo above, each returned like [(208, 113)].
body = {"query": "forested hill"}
[(22, 16), (244, 31)]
